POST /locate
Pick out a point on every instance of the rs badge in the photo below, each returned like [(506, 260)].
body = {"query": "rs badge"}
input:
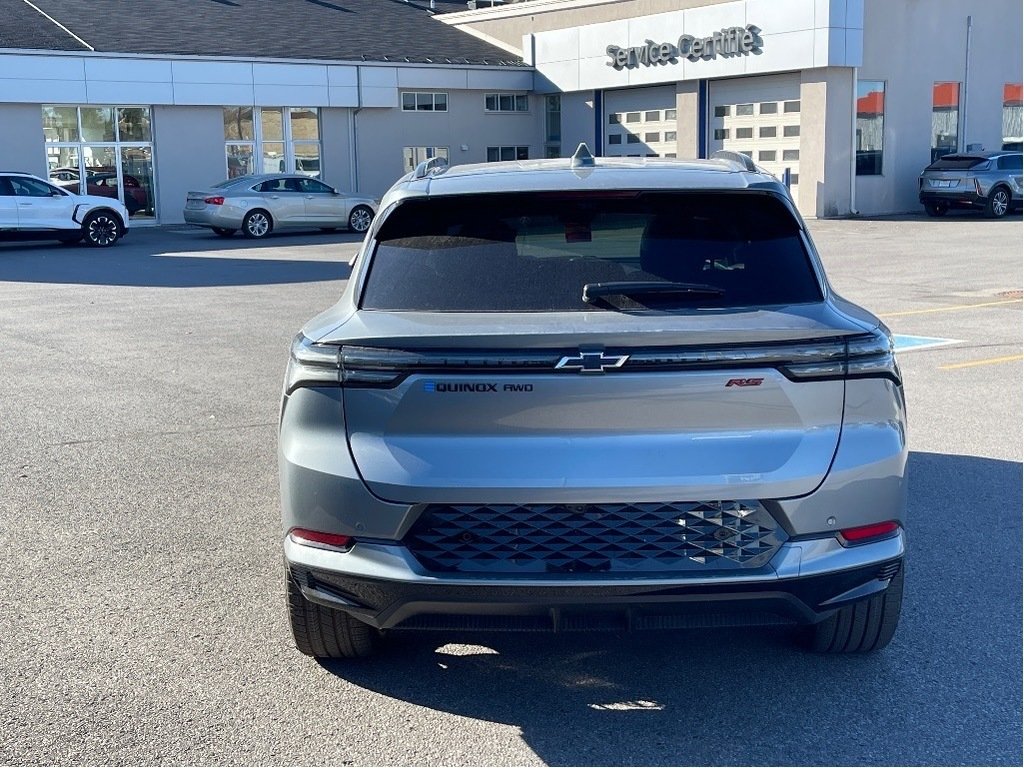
[(744, 382)]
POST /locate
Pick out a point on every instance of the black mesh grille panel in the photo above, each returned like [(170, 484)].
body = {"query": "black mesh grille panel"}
[(594, 538)]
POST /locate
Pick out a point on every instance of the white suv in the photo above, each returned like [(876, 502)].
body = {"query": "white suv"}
[(34, 209)]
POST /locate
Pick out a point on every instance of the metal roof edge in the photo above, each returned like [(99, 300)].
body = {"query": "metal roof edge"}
[(518, 66)]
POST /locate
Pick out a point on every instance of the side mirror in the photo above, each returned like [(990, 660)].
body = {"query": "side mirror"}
[(334, 191)]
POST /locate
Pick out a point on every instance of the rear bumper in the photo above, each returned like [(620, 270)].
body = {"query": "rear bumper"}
[(212, 216), (953, 198), (384, 586)]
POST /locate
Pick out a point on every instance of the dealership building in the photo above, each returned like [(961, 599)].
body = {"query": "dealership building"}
[(849, 99)]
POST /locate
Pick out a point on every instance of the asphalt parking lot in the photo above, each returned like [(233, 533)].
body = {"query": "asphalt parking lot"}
[(141, 587)]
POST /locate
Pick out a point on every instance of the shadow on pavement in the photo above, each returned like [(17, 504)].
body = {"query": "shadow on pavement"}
[(946, 691), (171, 260)]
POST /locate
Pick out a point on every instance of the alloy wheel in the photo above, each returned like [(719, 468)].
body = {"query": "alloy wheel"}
[(1000, 202), (360, 219), (257, 225), (102, 230)]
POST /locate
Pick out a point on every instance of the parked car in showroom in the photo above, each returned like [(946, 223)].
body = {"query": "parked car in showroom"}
[(587, 394), (987, 181), (103, 183), (34, 209), (260, 204)]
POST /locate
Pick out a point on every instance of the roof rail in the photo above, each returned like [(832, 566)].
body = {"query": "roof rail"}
[(431, 167), (736, 157)]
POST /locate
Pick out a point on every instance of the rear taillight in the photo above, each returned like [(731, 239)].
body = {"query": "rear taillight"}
[(856, 357), (334, 541), (311, 364), (868, 356), (214, 201), (867, 533), (977, 187)]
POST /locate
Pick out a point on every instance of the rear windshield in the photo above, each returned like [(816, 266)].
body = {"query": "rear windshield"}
[(956, 163), (525, 252), (235, 182)]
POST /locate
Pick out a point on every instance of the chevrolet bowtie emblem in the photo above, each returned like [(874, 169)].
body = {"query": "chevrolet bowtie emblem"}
[(592, 362)]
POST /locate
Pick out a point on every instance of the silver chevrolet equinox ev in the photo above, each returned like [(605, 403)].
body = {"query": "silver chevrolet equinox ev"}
[(574, 395)]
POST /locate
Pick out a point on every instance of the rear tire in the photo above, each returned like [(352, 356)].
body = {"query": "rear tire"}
[(257, 224), (861, 627), (325, 633), (360, 219), (102, 229), (224, 232), (936, 209), (998, 204)]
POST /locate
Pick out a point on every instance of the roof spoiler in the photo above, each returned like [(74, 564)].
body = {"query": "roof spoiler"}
[(735, 157)]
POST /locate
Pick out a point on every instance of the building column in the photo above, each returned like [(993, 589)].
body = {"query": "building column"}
[(826, 141), (688, 119)]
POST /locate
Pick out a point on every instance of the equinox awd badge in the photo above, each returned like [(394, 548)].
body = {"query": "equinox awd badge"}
[(451, 386)]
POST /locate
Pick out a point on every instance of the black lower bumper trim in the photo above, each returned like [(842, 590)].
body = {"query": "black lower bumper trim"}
[(424, 605)]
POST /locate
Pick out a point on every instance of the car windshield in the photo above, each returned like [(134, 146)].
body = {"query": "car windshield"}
[(957, 163), (533, 252)]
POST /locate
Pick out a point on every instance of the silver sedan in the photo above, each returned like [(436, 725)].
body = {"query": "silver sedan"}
[(259, 204)]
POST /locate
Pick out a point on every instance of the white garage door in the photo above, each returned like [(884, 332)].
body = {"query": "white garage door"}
[(759, 117), (640, 122)]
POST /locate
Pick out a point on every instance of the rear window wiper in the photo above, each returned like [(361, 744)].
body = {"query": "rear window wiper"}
[(593, 291)]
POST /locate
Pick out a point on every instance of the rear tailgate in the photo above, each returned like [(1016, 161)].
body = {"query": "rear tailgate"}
[(496, 422), (484, 305)]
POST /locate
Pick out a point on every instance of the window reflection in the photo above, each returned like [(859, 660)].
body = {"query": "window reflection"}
[(1013, 133), (870, 126), (945, 118), (60, 123), (98, 124)]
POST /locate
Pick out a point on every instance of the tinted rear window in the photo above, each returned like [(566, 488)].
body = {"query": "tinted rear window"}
[(535, 251), (235, 182), (956, 163)]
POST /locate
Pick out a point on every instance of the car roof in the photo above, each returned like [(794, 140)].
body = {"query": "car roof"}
[(981, 155), (265, 176), (606, 173)]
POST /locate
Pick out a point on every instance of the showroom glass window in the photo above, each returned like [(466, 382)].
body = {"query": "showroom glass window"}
[(945, 118), (103, 150), (870, 126), (272, 140), (1013, 133)]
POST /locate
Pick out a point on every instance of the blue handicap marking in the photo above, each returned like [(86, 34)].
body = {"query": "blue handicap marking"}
[(910, 343)]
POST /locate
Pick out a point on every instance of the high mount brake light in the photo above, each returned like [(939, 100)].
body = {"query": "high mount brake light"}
[(865, 533), (320, 539)]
